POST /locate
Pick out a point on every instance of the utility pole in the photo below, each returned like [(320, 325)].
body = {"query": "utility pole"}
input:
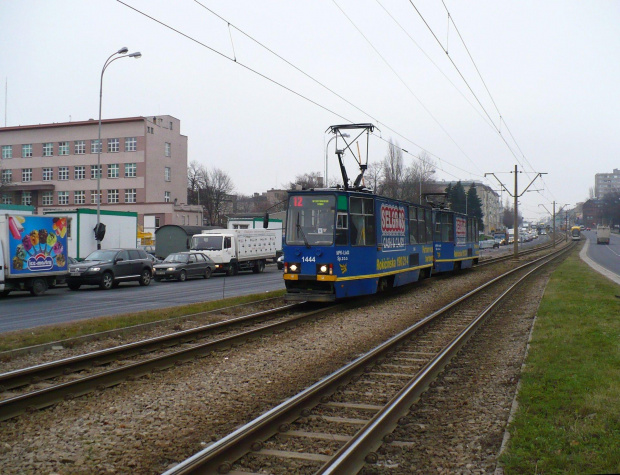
[(553, 220), (516, 196)]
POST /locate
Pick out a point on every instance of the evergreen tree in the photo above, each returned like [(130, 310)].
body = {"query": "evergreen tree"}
[(457, 202), (449, 193), (474, 205)]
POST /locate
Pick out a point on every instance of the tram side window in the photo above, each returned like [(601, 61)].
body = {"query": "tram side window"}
[(421, 227), (413, 225), (437, 235), (342, 228), (429, 225), (362, 225), (447, 228)]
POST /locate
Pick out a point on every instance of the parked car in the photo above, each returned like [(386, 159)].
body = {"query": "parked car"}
[(107, 268), (184, 265)]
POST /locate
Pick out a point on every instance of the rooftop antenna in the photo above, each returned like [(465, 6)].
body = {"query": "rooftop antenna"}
[(6, 96), (337, 129)]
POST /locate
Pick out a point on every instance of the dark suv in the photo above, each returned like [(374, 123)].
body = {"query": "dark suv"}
[(109, 267)]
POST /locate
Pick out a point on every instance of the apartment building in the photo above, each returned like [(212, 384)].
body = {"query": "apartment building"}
[(143, 168), (606, 183)]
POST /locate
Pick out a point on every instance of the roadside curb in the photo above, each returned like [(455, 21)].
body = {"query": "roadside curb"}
[(583, 255)]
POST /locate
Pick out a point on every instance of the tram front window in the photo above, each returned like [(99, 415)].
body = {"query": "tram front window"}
[(310, 220)]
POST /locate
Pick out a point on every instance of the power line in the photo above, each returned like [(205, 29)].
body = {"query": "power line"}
[(405, 84), (236, 61)]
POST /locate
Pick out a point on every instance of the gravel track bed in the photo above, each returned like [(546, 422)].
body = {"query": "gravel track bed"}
[(76, 347), (149, 425)]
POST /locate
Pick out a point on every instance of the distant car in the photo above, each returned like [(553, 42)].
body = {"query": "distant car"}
[(184, 265), (280, 262), (107, 268), (588, 229)]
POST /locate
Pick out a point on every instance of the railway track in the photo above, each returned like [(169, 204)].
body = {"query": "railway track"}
[(43, 385), (495, 260), (336, 425)]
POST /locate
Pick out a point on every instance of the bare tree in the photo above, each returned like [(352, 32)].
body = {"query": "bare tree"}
[(218, 188), (393, 171), (421, 172), (307, 181), (374, 176), (195, 182)]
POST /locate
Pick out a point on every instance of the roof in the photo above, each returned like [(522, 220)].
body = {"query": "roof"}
[(72, 124), (189, 230)]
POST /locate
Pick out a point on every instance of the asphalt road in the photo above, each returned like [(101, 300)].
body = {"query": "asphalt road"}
[(21, 310), (607, 256)]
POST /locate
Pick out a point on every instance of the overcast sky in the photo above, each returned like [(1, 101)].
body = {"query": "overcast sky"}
[(551, 67)]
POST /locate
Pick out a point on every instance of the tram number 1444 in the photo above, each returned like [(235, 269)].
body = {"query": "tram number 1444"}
[(308, 259)]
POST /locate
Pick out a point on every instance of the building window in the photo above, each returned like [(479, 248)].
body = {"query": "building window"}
[(157, 221), (27, 150), (131, 144), (95, 146), (26, 198), (112, 196), (63, 197), (95, 171), (167, 149), (150, 130), (93, 197), (47, 198), (167, 173), (7, 151), (130, 195), (26, 174), (79, 197), (166, 197), (63, 148), (63, 173), (80, 172), (48, 149), (113, 145), (7, 199), (130, 170), (80, 147), (7, 176), (48, 174), (113, 170)]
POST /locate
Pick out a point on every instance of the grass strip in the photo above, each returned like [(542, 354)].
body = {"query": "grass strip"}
[(51, 333), (568, 419)]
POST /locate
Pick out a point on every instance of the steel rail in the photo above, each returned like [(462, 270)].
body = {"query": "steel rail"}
[(25, 376), (41, 398), (360, 449), (219, 457)]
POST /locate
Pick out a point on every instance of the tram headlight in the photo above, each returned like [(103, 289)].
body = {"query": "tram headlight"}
[(292, 268), (325, 269)]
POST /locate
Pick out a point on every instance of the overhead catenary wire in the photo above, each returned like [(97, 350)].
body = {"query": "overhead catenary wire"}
[(236, 61), (406, 85), (470, 88)]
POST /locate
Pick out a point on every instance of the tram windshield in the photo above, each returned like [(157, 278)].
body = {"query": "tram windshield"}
[(311, 220)]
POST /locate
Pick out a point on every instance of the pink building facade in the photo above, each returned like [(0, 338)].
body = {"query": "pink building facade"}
[(143, 168)]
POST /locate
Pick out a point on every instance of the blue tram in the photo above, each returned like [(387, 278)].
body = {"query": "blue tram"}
[(347, 241), (342, 243), (456, 244)]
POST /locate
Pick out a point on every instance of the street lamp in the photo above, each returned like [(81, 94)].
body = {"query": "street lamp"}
[(123, 53), (325, 184)]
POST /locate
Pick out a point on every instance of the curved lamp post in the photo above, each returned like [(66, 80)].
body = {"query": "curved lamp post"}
[(123, 53)]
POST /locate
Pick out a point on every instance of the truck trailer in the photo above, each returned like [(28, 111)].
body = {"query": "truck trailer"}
[(603, 233), (33, 252), (235, 250)]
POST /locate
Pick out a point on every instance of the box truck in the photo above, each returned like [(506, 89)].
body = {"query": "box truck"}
[(33, 252), (234, 250), (603, 233)]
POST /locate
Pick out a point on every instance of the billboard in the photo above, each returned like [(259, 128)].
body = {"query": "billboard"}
[(37, 244)]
